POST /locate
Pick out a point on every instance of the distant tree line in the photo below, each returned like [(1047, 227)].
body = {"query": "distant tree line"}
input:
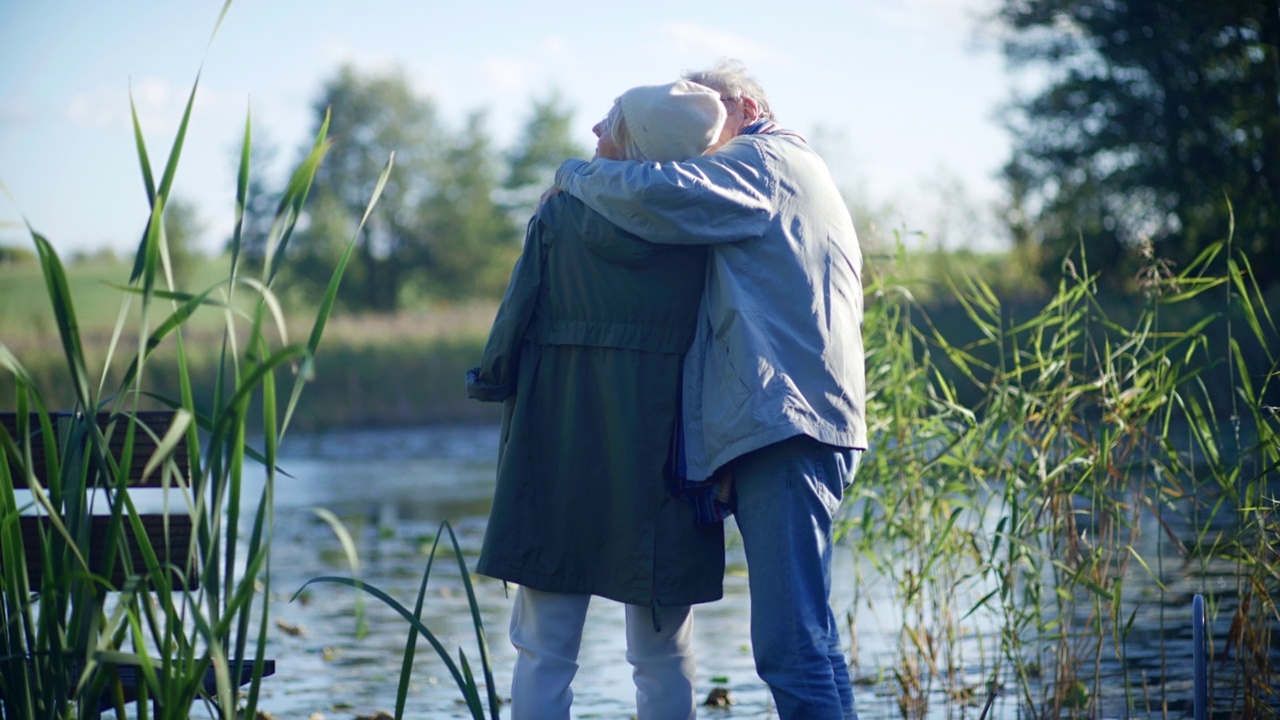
[(13, 255), (451, 217), (1158, 116), (1158, 113)]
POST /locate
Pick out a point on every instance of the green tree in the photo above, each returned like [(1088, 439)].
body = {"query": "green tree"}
[(371, 117), (546, 140), (183, 229), (471, 243), (1156, 112)]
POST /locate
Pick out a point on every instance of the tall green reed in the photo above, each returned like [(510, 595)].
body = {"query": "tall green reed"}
[(1024, 516), (910, 504), (461, 672), (64, 640)]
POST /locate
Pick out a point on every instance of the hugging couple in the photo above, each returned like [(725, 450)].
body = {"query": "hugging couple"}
[(680, 341)]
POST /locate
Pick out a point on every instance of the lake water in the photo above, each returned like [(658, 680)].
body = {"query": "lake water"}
[(393, 488)]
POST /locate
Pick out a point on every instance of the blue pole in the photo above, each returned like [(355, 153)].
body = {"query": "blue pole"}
[(1198, 653)]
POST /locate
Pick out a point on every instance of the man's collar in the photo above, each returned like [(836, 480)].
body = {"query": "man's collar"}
[(765, 126), (759, 127)]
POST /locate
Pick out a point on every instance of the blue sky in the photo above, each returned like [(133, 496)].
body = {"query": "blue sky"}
[(899, 95)]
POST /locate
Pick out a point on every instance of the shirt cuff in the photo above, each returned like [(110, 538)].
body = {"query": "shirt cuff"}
[(478, 389)]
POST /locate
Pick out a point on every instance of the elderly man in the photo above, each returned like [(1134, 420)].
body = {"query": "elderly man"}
[(773, 389)]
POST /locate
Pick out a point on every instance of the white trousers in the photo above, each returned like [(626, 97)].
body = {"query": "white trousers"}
[(546, 630)]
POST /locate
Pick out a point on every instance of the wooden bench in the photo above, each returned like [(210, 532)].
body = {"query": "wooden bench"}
[(168, 534)]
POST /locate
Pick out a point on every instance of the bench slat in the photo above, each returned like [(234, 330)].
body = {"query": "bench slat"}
[(131, 676), (143, 445), (173, 552)]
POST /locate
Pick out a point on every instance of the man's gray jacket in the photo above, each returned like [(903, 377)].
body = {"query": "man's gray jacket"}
[(778, 348)]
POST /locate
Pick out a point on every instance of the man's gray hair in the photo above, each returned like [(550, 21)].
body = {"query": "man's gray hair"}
[(730, 78)]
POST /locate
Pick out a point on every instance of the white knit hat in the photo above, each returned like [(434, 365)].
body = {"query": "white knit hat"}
[(675, 121)]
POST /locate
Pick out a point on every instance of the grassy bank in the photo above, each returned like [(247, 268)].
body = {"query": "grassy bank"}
[(372, 370), (406, 369)]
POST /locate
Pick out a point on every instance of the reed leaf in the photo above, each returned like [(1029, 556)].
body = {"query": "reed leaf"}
[(242, 197), (331, 294), (415, 624), (144, 161), (291, 200), (411, 642), (476, 622), (55, 278), (353, 561)]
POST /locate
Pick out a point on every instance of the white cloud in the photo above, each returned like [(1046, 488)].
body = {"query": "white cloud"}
[(690, 39), (153, 93), (340, 53), (158, 102), (554, 46), (933, 20), (949, 11), (95, 108), (423, 80), (505, 74)]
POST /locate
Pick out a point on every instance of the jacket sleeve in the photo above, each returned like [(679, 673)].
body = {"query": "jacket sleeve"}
[(726, 196), (495, 379)]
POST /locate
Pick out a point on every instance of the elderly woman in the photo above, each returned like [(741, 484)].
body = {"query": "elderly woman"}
[(586, 354)]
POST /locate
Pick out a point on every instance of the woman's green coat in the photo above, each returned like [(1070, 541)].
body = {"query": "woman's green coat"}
[(586, 353)]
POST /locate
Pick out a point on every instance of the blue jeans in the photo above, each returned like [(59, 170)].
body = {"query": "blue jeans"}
[(787, 495)]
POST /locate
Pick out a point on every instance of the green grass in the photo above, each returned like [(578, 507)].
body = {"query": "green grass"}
[(28, 319), (376, 370)]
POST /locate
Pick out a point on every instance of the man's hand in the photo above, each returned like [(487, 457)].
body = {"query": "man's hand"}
[(551, 192)]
